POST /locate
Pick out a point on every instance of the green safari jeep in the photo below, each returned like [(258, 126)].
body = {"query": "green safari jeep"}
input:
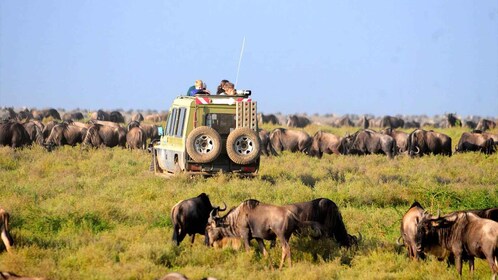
[(208, 134)]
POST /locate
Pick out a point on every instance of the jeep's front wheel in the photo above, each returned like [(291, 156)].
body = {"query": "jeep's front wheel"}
[(203, 144), (243, 145)]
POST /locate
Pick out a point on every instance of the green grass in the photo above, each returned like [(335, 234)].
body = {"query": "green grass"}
[(99, 214)]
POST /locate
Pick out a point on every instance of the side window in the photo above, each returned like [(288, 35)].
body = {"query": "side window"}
[(176, 122), (171, 122), (181, 122)]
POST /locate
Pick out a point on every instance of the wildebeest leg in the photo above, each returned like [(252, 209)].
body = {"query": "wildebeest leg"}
[(493, 264), (285, 254), (262, 247), (458, 262), (192, 238), (471, 264), (7, 240)]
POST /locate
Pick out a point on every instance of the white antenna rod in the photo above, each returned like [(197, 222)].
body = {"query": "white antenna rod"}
[(240, 60)]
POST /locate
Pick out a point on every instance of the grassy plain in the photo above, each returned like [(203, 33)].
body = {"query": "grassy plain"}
[(100, 214)]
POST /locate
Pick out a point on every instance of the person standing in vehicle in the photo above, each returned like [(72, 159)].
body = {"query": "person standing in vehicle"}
[(195, 88), (229, 89), (222, 84)]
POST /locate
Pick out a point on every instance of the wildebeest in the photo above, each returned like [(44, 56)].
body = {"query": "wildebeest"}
[(270, 118), (66, 133), (190, 216), (326, 213), (324, 142), (366, 141), (34, 129), (137, 117), (392, 122), (150, 130), (462, 233), (476, 142), (4, 230), (264, 137), (48, 128), (297, 121), (451, 121), (342, 121), (423, 142), (51, 113), (363, 122), (14, 134), (485, 124), (105, 135), (116, 116), (255, 220), (74, 116), (100, 115), (408, 230), (136, 138), (282, 139), (400, 137)]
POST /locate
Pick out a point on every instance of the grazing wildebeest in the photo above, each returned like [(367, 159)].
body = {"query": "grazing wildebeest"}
[(342, 121), (270, 118), (464, 234), (264, 137), (136, 138), (105, 135), (74, 116), (34, 129), (190, 216), (400, 137), (14, 134), (282, 139), (476, 142), (392, 122), (4, 230), (324, 142), (485, 124), (51, 113), (65, 133), (297, 121), (423, 142), (48, 128), (255, 220), (326, 213), (366, 141), (116, 116)]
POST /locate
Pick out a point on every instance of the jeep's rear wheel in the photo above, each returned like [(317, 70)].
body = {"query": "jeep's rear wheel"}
[(243, 145), (203, 144)]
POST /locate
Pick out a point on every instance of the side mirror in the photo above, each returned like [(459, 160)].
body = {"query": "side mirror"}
[(160, 130)]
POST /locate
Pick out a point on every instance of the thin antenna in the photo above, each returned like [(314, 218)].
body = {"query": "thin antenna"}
[(240, 60)]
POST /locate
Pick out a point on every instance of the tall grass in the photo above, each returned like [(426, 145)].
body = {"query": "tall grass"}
[(99, 214)]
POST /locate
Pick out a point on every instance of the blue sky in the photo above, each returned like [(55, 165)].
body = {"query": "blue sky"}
[(376, 57)]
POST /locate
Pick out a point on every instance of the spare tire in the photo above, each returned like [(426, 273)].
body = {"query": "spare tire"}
[(203, 144), (243, 145)]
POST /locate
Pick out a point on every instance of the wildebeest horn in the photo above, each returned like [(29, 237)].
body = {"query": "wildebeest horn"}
[(360, 237), (418, 150), (222, 209), (398, 242)]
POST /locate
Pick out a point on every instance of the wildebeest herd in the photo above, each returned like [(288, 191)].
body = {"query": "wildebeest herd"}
[(456, 237), (103, 129)]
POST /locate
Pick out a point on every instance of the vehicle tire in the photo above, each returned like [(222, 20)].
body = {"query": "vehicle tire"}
[(243, 145), (154, 166), (203, 144)]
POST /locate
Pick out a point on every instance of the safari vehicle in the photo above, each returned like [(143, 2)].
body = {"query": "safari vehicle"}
[(208, 134)]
